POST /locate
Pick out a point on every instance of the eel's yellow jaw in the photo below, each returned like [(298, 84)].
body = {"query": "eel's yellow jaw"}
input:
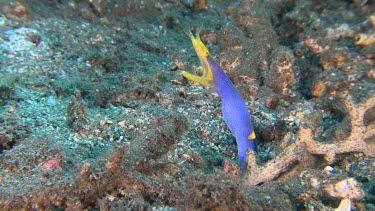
[(203, 53)]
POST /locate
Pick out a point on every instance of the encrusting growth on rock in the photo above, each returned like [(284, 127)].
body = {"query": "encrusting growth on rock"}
[(306, 144)]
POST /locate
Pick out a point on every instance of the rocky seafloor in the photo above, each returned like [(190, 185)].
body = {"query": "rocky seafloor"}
[(95, 114)]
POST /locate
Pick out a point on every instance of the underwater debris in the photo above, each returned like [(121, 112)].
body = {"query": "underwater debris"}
[(16, 9), (371, 74), (334, 58), (316, 45), (87, 14), (51, 163), (344, 189), (305, 143), (231, 38), (318, 87), (332, 186), (98, 5), (366, 39), (281, 74), (12, 129), (271, 102), (219, 191), (76, 113), (199, 5)]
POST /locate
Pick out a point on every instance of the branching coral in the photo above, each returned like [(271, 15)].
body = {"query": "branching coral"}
[(306, 144)]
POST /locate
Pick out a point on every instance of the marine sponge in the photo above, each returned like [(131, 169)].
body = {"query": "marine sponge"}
[(306, 144)]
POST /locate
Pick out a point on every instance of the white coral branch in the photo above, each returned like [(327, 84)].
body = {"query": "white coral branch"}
[(305, 143)]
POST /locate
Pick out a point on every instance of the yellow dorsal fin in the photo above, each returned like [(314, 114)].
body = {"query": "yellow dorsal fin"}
[(252, 135)]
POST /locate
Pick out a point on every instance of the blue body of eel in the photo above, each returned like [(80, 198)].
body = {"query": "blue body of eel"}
[(234, 109)]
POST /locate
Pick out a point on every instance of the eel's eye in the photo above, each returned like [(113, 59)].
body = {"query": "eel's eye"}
[(206, 53)]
